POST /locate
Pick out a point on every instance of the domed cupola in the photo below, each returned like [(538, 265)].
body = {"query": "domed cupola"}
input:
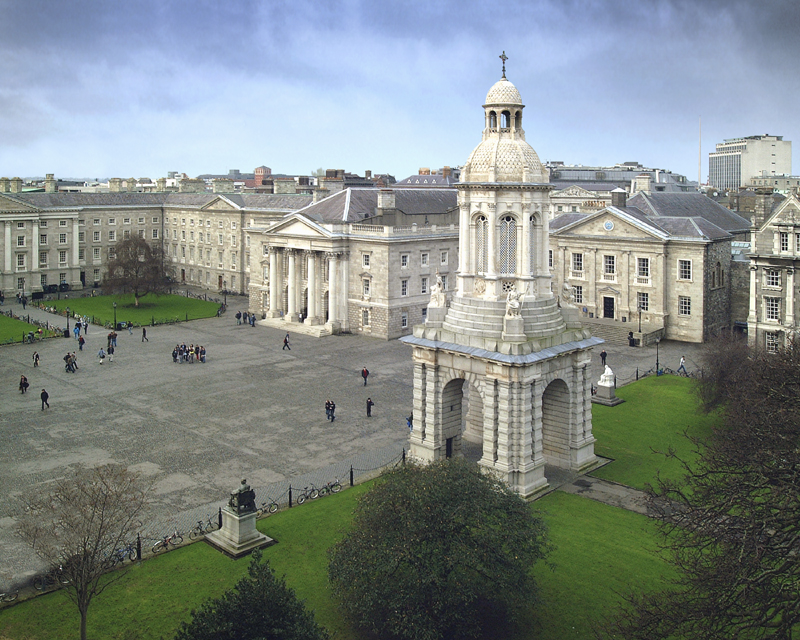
[(503, 154)]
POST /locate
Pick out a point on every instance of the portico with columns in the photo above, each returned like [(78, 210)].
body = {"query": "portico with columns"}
[(506, 365)]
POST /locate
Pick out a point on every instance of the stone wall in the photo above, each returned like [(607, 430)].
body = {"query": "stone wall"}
[(740, 291)]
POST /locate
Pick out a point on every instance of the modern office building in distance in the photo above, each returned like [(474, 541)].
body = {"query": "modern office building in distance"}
[(737, 160)]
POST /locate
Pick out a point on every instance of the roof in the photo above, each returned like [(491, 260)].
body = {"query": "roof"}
[(689, 205), (356, 204), (428, 181)]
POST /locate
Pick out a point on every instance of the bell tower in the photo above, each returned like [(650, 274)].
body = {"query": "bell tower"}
[(506, 348)]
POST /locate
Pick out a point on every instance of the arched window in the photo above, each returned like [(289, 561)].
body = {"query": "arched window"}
[(518, 120), (481, 240), (532, 245), (492, 120), (505, 120), (507, 254)]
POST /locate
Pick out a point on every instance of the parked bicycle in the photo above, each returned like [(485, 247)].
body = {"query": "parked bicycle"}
[(330, 487), (50, 580), (9, 596), (202, 528), (267, 507), (173, 539), (307, 492), (128, 551)]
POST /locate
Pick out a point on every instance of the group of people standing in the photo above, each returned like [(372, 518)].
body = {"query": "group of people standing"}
[(23, 388), (246, 317), (181, 353)]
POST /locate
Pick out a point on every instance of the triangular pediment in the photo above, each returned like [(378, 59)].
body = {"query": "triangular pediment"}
[(11, 204), (221, 203), (611, 223), (574, 192), (786, 213), (298, 225)]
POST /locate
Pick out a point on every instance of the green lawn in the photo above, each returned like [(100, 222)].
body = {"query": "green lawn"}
[(12, 330), (166, 308), (656, 413)]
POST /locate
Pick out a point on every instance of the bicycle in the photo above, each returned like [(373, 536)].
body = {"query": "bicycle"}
[(173, 539), (330, 487), (118, 555), (9, 596), (52, 578), (202, 528), (307, 492), (267, 507)]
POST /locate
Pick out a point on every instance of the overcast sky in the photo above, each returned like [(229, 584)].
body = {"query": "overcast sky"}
[(139, 88)]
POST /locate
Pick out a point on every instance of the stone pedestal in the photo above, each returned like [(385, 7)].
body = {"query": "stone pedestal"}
[(606, 395), (435, 318), (514, 329), (238, 535)]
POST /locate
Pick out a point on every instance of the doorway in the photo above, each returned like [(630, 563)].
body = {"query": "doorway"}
[(608, 307)]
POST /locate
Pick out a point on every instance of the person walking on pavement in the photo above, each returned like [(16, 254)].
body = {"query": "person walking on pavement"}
[(286, 343), (111, 353), (603, 357), (144, 335), (333, 411), (45, 397), (130, 328), (410, 423), (365, 375), (101, 355), (35, 358), (327, 409), (683, 366), (23, 384), (370, 404), (81, 342)]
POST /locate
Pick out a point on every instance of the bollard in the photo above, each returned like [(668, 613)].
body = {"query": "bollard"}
[(351, 475), (138, 547), (290, 496), (615, 382), (187, 316), (637, 373), (219, 519)]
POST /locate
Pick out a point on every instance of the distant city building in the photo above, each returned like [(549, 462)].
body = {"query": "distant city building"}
[(779, 183), (737, 160), (444, 177)]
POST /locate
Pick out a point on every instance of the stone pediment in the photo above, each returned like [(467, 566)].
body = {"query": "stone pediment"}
[(221, 203), (298, 226), (787, 213), (609, 223), (10, 204), (574, 192)]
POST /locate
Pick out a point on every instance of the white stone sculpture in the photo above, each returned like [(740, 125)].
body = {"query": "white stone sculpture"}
[(568, 295), (607, 379), (438, 297), (513, 303)]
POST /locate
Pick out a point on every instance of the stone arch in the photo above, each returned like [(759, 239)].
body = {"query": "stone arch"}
[(556, 411), (507, 244), (505, 120), (518, 120), (451, 409), (493, 120), (480, 225)]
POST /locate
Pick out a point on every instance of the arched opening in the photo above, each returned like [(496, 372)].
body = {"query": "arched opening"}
[(556, 423), (492, 120), (481, 246), (472, 439), (505, 120), (452, 402), (532, 245), (518, 120), (326, 305), (507, 250)]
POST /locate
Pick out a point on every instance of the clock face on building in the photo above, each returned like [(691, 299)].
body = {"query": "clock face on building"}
[(608, 225)]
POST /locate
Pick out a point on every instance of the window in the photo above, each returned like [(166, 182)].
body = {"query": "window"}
[(233, 261), (96, 274), (423, 259), (112, 221), (643, 301), (773, 342), (183, 234), (797, 242), (20, 261), (578, 290), (43, 238), (208, 223), (96, 221), (42, 223), (155, 219), (95, 236), (404, 320), (191, 222), (233, 240), (643, 267), (43, 258), (365, 317), (183, 221), (772, 309), (200, 236), (62, 223), (365, 286), (174, 234), (508, 245), (444, 282), (112, 236), (183, 252), (550, 258), (62, 238), (126, 234), (404, 261), (559, 208), (404, 287), (96, 253), (20, 241), (233, 225), (62, 278), (62, 257), (220, 238), (609, 265), (365, 260), (191, 254), (20, 225), (577, 262), (191, 235), (220, 224), (481, 244), (21, 284), (574, 208), (43, 280), (784, 237), (126, 221), (155, 234), (424, 286), (112, 254), (81, 236), (141, 233), (424, 313), (684, 270), (81, 254), (141, 220), (772, 278), (684, 306), (443, 257), (219, 262)]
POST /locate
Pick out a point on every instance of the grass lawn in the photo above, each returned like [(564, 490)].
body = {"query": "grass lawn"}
[(166, 308), (656, 413), (12, 330)]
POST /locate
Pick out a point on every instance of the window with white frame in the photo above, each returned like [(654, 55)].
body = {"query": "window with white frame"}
[(365, 282), (773, 342), (21, 284), (772, 278), (62, 278), (578, 291), (643, 301), (233, 240), (404, 287), (784, 240), (62, 257), (126, 233), (42, 223), (365, 260), (96, 274), (423, 285), (112, 236), (112, 221), (183, 251), (424, 313), (797, 242), (221, 226), (155, 219), (481, 244), (404, 320), (112, 253), (20, 225), (550, 258), (126, 221), (609, 266), (365, 317), (183, 235), (444, 282), (220, 239), (95, 221), (95, 236), (96, 253), (20, 241), (443, 257), (42, 238), (404, 261), (141, 220), (220, 261), (155, 234), (43, 258), (62, 223), (684, 306), (507, 249), (20, 261), (684, 269), (423, 259), (191, 235), (577, 262), (233, 260), (81, 236), (43, 280), (643, 268), (81, 254), (772, 309)]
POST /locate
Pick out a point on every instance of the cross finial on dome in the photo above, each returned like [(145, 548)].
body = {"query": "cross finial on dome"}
[(504, 57)]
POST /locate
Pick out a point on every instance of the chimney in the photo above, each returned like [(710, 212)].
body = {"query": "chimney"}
[(386, 200), (284, 185), (334, 185), (641, 183), (368, 174), (16, 185), (161, 184), (3, 185), (619, 197), (320, 194), (446, 172), (49, 184), (424, 171), (223, 185), (115, 185), (762, 208), (131, 184)]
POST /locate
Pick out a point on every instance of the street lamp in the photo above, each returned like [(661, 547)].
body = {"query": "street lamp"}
[(640, 317), (115, 316), (67, 319), (225, 292), (657, 341)]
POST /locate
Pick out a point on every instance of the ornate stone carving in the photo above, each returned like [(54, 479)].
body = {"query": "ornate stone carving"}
[(607, 378), (243, 500), (514, 303), (438, 297), (480, 286), (568, 295)]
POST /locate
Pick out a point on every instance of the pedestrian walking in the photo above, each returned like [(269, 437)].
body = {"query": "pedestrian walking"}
[(101, 355), (333, 411), (410, 423), (327, 409), (23, 384), (86, 324), (365, 375), (286, 343), (111, 353), (35, 359), (45, 397), (603, 357), (370, 404), (24, 302), (683, 366), (81, 342), (144, 335), (77, 330), (238, 317), (130, 328), (74, 361)]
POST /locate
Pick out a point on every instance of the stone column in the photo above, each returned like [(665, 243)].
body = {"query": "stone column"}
[(489, 456), (7, 261), (35, 280), (505, 428), (752, 316), (333, 291), (789, 317), (313, 311), (291, 311), (275, 286), (525, 250), (76, 263), (491, 248), (465, 251), (418, 435)]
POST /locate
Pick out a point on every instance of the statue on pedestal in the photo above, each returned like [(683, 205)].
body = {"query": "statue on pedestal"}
[(438, 297), (243, 500), (513, 303), (607, 379)]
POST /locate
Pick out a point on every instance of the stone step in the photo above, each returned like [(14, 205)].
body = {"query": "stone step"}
[(611, 333)]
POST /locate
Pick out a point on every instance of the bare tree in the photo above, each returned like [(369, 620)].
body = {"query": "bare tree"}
[(79, 525), (138, 267)]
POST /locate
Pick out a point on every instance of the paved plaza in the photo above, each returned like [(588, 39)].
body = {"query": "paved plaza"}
[(253, 410)]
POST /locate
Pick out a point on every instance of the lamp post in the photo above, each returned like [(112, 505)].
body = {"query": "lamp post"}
[(657, 341), (640, 317), (67, 319), (225, 292), (115, 316)]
